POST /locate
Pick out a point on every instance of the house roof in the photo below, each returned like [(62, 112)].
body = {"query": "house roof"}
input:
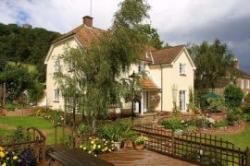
[(148, 84), (85, 35), (167, 55), (243, 74)]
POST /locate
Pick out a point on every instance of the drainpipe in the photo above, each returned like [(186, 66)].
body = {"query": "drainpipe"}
[(161, 88)]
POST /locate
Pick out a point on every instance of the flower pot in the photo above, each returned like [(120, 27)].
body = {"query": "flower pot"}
[(128, 144), (139, 146), (117, 145)]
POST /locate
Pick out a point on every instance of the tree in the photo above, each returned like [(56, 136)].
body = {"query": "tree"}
[(26, 45), (213, 61), (233, 96), (97, 69)]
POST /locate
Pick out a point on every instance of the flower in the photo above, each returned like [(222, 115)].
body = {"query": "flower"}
[(4, 164), (81, 146), (15, 158), (2, 154)]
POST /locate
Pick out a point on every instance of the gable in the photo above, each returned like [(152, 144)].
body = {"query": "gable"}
[(59, 47), (184, 55)]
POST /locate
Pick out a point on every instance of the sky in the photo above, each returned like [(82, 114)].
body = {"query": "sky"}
[(178, 21)]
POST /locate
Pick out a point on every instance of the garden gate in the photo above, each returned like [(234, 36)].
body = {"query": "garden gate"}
[(200, 149)]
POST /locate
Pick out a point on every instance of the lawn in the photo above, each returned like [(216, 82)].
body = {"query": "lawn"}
[(241, 140), (8, 124)]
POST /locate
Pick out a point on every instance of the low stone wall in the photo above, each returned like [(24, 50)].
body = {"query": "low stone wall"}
[(19, 112)]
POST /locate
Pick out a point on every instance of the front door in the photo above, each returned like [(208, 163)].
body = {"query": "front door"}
[(182, 99)]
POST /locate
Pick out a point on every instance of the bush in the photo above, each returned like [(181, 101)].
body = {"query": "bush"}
[(172, 123), (222, 123), (96, 146), (116, 131), (234, 116), (233, 96), (191, 129), (83, 128)]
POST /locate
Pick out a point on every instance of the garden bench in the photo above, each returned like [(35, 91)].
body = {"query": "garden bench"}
[(75, 157)]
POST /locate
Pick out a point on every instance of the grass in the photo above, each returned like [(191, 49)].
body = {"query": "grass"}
[(241, 140), (28, 121), (8, 124)]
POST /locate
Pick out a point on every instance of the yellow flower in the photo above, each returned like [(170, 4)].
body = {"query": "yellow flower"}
[(81, 146), (99, 146), (15, 158), (84, 148), (92, 142), (89, 152), (2, 154), (1, 148), (4, 164)]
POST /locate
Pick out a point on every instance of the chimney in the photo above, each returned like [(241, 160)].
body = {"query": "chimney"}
[(88, 21), (236, 63)]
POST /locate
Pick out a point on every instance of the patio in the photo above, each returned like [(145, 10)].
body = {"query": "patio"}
[(141, 158)]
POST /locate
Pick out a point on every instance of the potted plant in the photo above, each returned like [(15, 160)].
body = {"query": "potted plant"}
[(139, 142), (129, 136)]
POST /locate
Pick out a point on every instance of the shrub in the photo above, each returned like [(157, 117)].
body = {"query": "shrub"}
[(116, 131), (140, 140), (204, 122), (216, 104), (233, 96), (233, 116), (191, 129), (222, 123), (96, 146), (83, 128), (172, 123)]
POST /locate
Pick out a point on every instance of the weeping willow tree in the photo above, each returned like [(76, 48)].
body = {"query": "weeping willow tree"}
[(94, 84)]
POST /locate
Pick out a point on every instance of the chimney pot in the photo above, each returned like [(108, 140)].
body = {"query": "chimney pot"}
[(88, 21)]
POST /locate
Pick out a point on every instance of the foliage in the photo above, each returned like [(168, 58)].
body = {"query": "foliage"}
[(140, 140), (172, 123), (234, 116), (215, 105), (96, 146), (117, 131), (12, 106), (19, 80), (204, 122), (28, 45), (233, 96), (83, 128), (97, 68), (213, 61), (20, 135), (191, 129), (17, 158), (222, 123)]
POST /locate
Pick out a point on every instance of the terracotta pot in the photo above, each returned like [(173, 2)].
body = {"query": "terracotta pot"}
[(128, 144), (139, 147)]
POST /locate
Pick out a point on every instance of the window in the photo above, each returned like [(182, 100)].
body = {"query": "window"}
[(56, 95), (57, 65), (182, 69), (248, 84), (141, 67), (71, 66), (182, 99)]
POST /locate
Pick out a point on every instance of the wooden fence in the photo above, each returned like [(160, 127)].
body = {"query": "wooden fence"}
[(200, 149)]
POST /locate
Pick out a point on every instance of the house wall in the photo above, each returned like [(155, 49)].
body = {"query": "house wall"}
[(51, 84), (172, 79), (244, 84)]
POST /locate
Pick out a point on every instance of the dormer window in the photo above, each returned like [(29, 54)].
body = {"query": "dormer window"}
[(56, 65), (182, 69)]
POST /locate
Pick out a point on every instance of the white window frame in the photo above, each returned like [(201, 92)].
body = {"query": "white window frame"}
[(56, 95), (182, 69)]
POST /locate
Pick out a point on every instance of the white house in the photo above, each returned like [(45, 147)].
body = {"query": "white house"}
[(170, 72)]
